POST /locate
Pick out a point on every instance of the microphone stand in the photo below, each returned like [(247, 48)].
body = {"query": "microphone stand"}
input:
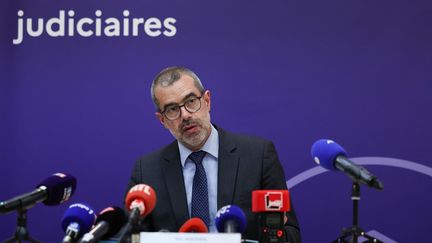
[(355, 231), (126, 233), (21, 232)]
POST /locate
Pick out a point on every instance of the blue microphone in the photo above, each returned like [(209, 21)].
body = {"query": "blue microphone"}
[(230, 219), (332, 156), (77, 220)]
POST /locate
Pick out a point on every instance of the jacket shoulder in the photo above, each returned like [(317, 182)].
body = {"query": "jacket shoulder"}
[(154, 158), (244, 139)]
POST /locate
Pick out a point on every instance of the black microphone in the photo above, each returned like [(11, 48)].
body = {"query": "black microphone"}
[(332, 156), (108, 223), (54, 190)]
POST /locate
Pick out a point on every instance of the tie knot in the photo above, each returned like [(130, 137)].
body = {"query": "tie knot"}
[(197, 157)]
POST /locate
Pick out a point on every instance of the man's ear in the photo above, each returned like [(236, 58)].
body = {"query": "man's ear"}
[(207, 99), (161, 118)]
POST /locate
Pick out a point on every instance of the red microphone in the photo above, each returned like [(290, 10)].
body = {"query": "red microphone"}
[(194, 225), (141, 197), (140, 201), (271, 206)]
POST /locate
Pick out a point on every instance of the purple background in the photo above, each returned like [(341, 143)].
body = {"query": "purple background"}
[(291, 71)]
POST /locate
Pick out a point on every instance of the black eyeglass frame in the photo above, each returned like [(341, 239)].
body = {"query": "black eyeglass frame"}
[(183, 105)]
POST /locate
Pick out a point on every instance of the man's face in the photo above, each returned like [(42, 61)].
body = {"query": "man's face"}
[(191, 129)]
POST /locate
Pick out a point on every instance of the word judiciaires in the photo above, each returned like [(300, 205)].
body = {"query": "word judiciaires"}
[(63, 25)]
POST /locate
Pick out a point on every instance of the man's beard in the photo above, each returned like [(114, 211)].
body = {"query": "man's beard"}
[(195, 139)]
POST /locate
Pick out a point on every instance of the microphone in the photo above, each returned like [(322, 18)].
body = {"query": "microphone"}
[(54, 190), (77, 220), (271, 206), (140, 201), (332, 156), (194, 225), (108, 223), (230, 219)]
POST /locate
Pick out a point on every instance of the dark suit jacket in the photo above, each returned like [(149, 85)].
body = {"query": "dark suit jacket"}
[(245, 164)]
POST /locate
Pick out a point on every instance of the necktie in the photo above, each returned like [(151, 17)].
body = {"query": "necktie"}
[(200, 203)]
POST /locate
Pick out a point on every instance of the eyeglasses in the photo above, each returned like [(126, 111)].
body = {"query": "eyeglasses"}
[(173, 112)]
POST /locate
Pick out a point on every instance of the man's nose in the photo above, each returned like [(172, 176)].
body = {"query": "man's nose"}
[(184, 114)]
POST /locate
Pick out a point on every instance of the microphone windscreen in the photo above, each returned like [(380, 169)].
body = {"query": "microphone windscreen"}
[(59, 187), (230, 213), (79, 213), (194, 225), (144, 193), (115, 217), (325, 151)]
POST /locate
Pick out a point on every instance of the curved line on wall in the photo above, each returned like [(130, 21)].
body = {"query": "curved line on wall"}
[(393, 162)]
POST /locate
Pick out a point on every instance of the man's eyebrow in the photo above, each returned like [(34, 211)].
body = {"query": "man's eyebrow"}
[(191, 94)]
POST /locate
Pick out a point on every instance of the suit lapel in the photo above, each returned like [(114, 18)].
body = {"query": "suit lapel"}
[(173, 174), (227, 170)]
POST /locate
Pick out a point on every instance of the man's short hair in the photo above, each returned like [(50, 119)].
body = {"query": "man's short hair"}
[(170, 75)]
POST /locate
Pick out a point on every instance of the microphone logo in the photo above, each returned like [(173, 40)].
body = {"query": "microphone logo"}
[(137, 204), (107, 210), (141, 187), (223, 210), (85, 207), (61, 175), (67, 193), (273, 201)]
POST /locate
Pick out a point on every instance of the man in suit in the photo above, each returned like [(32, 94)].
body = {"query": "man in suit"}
[(229, 166)]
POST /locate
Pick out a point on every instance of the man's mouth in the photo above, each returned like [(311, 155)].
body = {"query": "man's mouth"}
[(188, 128)]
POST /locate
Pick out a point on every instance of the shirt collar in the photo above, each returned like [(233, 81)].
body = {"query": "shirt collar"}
[(211, 146)]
